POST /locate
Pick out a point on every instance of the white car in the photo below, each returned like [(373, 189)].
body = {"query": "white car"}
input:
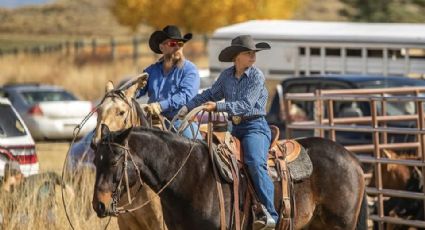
[(16, 142), (50, 112)]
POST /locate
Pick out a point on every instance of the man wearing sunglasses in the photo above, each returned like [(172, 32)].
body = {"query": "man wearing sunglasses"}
[(173, 80)]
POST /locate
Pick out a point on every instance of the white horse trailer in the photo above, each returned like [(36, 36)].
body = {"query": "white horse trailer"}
[(309, 47)]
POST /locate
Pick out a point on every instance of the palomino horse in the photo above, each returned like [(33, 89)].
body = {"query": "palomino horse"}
[(119, 111), (180, 171)]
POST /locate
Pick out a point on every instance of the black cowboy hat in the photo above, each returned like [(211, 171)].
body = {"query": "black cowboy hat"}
[(240, 44), (169, 32)]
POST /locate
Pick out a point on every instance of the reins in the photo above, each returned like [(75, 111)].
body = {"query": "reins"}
[(120, 210)]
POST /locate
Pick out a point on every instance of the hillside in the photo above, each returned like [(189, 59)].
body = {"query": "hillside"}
[(324, 10), (92, 18), (70, 17)]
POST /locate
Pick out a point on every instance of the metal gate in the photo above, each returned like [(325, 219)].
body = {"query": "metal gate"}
[(383, 121)]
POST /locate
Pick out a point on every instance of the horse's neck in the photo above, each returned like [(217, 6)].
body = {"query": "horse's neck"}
[(193, 189), (165, 160)]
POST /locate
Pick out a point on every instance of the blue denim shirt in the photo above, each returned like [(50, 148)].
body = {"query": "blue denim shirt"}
[(246, 96), (172, 90)]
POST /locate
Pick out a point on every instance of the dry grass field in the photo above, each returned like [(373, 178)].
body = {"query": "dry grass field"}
[(83, 75), (41, 207)]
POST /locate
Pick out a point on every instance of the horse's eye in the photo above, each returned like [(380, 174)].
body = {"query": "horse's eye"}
[(121, 113)]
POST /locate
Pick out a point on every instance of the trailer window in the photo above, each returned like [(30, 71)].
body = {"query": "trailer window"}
[(375, 53), (354, 52), (314, 51), (335, 52)]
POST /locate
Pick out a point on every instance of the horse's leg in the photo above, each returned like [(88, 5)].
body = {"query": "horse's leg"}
[(337, 184), (340, 206), (126, 222), (304, 204), (150, 215), (147, 217)]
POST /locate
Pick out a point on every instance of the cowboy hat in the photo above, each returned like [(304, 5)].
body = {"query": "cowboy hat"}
[(240, 44), (169, 32)]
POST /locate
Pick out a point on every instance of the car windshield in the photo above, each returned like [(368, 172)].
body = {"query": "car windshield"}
[(10, 125), (32, 97)]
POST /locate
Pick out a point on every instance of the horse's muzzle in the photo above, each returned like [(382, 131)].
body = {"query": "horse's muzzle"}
[(102, 211)]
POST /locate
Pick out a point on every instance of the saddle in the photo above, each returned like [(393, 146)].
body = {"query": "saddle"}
[(287, 162)]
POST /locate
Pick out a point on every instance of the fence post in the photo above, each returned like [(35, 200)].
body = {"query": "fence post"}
[(81, 45), (113, 44), (76, 47), (135, 49), (93, 47), (67, 47)]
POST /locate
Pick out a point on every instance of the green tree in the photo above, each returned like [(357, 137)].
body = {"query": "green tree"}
[(199, 16), (384, 10)]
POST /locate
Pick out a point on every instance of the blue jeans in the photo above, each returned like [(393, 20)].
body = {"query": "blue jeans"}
[(187, 132), (255, 136)]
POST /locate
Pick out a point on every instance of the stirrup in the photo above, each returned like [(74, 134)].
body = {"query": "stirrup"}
[(266, 222)]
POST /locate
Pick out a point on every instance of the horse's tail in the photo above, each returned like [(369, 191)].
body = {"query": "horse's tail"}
[(362, 218)]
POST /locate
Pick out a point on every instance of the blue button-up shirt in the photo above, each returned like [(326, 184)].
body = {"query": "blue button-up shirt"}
[(171, 90), (246, 96)]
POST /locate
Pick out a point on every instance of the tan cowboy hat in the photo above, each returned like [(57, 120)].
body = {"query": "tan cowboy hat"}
[(240, 44), (169, 32)]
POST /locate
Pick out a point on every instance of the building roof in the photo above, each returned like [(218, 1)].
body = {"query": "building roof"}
[(393, 33)]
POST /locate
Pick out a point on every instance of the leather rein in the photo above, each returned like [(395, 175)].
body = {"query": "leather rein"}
[(124, 176), (127, 155)]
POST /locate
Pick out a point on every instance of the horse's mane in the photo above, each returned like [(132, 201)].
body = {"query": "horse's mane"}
[(167, 135), (141, 115)]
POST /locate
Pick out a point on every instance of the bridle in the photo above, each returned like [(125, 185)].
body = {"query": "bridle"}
[(134, 106), (117, 93), (116, 194)]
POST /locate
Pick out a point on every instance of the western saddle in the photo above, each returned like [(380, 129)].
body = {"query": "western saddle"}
[(228, 158)]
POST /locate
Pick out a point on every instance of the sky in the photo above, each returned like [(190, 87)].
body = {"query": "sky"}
[(18, 3)]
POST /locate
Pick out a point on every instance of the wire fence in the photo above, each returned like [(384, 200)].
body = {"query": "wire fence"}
[(102, 49)]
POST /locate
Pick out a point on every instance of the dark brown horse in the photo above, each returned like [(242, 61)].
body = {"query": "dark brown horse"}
[(332, 198)]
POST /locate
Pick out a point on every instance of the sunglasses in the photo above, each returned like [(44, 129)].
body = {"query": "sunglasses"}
[(175, 43)]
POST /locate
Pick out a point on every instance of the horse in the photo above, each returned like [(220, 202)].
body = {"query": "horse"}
[(394, 176), (400, 177), (119, 110), (180, 171)]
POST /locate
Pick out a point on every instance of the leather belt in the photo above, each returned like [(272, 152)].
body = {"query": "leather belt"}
[(236, 120)]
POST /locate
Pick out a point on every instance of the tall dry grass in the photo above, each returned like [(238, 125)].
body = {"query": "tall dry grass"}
[(86, 81), (84, 75), (40, 207)]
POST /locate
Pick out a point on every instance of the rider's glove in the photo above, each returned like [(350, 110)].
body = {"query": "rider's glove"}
[(153, 108)]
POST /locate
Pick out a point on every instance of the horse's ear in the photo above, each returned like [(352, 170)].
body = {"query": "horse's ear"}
[(139, 83), (122, 136), (104, 131), (109, 86)]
